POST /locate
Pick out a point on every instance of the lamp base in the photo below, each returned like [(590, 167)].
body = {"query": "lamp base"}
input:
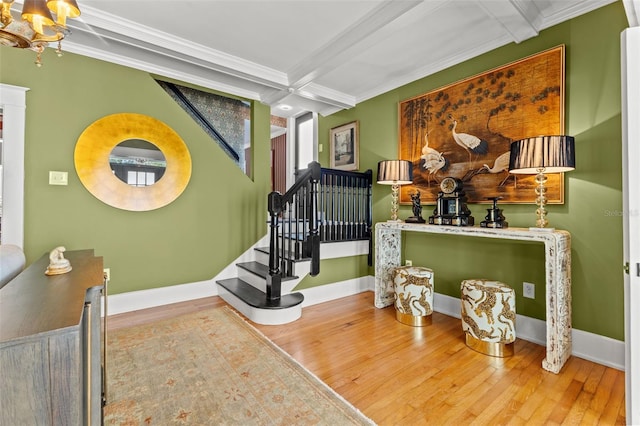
[(394, 202), (535, 228)]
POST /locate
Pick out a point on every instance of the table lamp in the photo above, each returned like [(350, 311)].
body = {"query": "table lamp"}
[(540, 155), (395, 173)]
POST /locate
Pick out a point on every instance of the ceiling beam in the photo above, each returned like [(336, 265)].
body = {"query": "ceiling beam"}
[(519, 18), (332, 54), (632, 9), (106, 27)]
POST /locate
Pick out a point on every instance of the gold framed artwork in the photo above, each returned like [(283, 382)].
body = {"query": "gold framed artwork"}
[(96, 144), (464, 130), (344, 147)]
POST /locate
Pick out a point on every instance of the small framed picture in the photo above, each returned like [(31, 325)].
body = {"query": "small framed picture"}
[(344, 147)]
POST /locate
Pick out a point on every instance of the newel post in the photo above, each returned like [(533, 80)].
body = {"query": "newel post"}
[(314, 234), (274, 279)]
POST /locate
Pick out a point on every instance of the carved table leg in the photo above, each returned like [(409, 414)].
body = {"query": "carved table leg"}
[(388, 244), (558, 289)]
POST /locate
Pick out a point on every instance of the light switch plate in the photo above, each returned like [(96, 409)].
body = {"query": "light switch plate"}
[(58, 178)]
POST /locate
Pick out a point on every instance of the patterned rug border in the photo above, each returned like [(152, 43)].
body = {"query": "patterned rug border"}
[(175, 330), (295, 362)]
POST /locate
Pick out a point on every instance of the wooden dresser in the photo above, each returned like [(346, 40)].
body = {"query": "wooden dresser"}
[(50, 344)]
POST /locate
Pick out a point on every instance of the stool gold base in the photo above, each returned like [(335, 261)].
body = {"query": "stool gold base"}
[(413, 320), (496, 349)]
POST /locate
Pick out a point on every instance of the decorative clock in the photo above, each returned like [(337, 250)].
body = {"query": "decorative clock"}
[(451, 208)]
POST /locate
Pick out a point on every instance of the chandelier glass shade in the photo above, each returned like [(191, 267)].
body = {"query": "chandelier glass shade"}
[(36, 26)]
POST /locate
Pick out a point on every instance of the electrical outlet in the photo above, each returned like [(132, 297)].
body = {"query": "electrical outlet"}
[(408, 262), (529, 290), (107, 274)]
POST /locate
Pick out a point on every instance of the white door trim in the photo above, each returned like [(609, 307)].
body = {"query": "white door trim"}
[(630, 45), (13, 104)]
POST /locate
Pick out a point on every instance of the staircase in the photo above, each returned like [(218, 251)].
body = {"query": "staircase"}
[(248, 292), (322, 206)]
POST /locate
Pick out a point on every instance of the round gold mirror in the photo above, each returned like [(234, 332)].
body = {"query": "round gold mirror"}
[(132, 162)]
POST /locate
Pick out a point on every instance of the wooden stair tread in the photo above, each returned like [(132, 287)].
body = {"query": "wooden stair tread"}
[(260, 270), (256, 298)]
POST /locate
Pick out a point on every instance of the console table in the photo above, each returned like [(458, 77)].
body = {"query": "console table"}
[(557, 246), (50, 344)]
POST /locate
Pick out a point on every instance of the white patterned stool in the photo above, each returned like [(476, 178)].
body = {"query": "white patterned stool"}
[(413, 291), (489, 316)]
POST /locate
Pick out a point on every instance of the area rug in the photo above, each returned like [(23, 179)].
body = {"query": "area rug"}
[(213, 368)]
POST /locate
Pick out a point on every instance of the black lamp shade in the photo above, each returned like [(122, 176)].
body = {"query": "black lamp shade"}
[(552, 154), (399, 172)]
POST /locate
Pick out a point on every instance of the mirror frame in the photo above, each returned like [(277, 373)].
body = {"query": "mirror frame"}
[(91, 158)]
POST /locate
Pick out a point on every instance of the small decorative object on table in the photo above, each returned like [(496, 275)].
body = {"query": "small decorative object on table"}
[(494, 217), (57, 263), (417, 209), (451, 208)]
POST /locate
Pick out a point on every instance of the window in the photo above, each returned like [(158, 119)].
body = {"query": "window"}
[(136, 178), (306, 140)]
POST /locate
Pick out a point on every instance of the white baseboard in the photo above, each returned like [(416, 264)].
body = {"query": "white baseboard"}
[(326, 293), (593, 347), (143, 299), (601, 349)]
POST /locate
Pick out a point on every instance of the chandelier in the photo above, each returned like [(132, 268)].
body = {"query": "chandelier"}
[(36, 27)]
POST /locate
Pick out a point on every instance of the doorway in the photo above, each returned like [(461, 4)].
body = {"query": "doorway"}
[(631, 216), (12, 105)]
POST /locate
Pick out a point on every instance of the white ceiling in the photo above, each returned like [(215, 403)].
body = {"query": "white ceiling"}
[(314, 55)]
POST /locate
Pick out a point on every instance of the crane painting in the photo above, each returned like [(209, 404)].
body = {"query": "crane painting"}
[(433, 161), (472, 144), (464, 130)]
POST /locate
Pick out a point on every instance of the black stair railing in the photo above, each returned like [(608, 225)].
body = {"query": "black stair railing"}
[(345, 206), (297, 236), (323, 205)]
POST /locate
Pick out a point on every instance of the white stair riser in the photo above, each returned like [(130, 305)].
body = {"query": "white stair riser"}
[(261, 316), (287, 285), (264, 259), (256, 281), (301, 270), (261, 257)]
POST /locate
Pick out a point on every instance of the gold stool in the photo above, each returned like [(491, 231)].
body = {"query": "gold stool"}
[(489, 316), (413, 288)]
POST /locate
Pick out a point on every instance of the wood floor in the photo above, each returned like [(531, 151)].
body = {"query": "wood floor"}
[(401, 375)]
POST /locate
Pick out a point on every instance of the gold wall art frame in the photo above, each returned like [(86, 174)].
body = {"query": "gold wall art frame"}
[(91, 158), (522, 99)]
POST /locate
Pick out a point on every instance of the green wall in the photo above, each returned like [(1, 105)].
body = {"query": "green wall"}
[(593, 197), (220, 214), (223, 212)]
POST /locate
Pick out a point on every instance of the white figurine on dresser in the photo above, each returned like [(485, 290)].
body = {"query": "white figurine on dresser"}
[(57, 263)]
